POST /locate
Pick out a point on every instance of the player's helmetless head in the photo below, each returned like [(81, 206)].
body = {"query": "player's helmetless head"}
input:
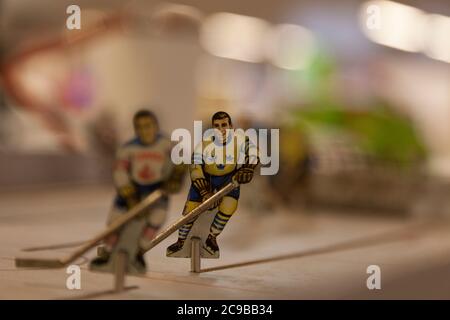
[(145, 126), (222, 121)]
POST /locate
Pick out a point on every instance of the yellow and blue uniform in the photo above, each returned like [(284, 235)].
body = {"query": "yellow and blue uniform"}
[(215, 171)]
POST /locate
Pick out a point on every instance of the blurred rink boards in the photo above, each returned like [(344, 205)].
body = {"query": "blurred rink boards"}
[(363, 116)]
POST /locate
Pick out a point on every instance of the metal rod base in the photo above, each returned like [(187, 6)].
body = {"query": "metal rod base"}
[(195, 254), (120, 271)]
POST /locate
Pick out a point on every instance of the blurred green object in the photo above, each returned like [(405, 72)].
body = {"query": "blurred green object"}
[(379, 132)]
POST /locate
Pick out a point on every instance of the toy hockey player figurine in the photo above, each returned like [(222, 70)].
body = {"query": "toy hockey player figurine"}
[(208, 177), (142, 166)]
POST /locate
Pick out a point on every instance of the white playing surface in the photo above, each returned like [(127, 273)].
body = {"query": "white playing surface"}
[(413, 264)]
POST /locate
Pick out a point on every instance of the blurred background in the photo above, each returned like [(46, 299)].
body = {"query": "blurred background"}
[(360, 91)]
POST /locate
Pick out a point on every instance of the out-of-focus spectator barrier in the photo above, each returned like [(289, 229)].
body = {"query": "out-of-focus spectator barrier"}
[(360, 160), (26, 170)]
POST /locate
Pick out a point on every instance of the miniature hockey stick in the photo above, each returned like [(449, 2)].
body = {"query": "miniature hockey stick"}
[(55, 246), (191, 215), (116, 225)]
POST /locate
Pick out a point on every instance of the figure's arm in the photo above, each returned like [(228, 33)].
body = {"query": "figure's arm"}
[(251, 160), (173, 179), (197, 174), (172, 174), (121, 176)]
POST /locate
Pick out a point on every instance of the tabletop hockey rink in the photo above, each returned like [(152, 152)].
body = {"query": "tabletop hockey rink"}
[(281, 255)]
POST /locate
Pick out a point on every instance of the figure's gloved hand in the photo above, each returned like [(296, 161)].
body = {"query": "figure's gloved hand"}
[(244, 175), (175, 180), (215, 204), (171, 186), (203, 188), (128, 192)]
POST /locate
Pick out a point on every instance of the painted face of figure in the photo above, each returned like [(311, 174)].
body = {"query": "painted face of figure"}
[(146, 129), (222, 125)]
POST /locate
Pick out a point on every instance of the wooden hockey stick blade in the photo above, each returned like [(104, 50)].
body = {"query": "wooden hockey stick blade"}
[(38, 263), (55, 246), (191, 215), (116, 225)]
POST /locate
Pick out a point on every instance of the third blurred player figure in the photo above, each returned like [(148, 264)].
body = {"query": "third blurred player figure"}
[(209, 174)]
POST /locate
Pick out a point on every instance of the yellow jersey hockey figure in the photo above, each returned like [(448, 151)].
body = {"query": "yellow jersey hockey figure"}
[(209, 176)]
